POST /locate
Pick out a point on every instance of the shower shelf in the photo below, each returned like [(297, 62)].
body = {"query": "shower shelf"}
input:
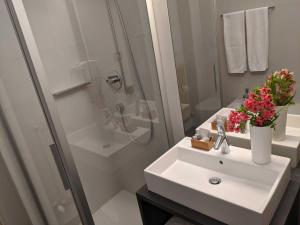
[(70, 89)]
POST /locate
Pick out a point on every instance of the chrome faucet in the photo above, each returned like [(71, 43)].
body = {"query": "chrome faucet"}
[(221, 138)]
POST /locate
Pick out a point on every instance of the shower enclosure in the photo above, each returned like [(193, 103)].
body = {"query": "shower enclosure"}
[(80, 109), (193, 25)]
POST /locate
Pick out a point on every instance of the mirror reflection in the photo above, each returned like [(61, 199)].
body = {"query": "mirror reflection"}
[(223, 49)]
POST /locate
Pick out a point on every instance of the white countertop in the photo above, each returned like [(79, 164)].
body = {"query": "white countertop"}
[(290, 147), (292, 139)]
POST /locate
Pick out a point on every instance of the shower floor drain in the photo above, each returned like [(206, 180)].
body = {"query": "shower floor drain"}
[(215, 180)]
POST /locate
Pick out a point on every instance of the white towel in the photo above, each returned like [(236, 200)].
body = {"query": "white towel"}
[(235, 43), (257, 25)]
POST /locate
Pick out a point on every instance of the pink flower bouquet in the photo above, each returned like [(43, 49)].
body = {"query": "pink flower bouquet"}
[(283, 87), (258, 108)]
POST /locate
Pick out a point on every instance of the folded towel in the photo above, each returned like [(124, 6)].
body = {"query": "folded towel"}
[(235, 41), (257, 25)]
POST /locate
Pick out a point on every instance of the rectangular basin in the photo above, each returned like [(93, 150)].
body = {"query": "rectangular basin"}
[(248, 193)]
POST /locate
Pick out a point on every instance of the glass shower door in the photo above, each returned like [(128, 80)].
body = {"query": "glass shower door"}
[(101, 79), (193, 29), (25, 137)]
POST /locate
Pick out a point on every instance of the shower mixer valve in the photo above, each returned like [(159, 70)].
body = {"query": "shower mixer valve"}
[(114, 81)]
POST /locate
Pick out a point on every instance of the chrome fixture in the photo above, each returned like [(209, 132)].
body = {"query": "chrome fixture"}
[(124, 122), (120, 107), (215, 180), (246, 94), (221, 138), (114, 80), (270, 8), (120, 16)]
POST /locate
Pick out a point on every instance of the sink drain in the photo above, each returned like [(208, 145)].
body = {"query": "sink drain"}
[(215, 180)]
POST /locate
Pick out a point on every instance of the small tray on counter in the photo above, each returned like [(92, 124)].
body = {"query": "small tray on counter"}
[(214, 125), (203, 145)]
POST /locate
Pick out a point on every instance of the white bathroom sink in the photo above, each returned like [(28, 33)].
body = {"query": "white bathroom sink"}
[(248, 193)]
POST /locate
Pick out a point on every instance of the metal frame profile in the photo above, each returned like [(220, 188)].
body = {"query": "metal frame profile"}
[(166, 69), (158, 12), (36, 70)]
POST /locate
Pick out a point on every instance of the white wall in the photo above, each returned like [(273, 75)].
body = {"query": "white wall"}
[(61, 52), (202, 22), (12, 210), (284, 48), (193, 33), (183, 37), (62, 47)]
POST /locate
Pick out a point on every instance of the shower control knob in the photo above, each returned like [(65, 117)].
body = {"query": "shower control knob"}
[(114, 81)]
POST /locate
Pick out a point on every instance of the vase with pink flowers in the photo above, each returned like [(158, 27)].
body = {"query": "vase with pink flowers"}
[(283, 89), (259, 110)]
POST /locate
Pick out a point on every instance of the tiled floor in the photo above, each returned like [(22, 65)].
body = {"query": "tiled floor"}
[(122, 209)]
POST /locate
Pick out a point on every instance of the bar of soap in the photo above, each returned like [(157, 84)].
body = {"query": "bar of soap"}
[(205, 139), (203, 132)]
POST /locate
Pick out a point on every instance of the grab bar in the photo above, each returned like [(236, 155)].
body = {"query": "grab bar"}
[(70, 89)]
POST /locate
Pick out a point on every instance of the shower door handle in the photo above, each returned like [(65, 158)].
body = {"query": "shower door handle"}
[(60, 166)]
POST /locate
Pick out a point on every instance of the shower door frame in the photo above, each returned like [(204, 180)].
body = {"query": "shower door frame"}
[(166, 68), (29, 49)]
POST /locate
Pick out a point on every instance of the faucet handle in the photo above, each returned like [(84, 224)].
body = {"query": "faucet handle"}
[(221, 141), (221, 127)]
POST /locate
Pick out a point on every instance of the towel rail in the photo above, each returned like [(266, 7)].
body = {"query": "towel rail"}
[(270, 8)]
